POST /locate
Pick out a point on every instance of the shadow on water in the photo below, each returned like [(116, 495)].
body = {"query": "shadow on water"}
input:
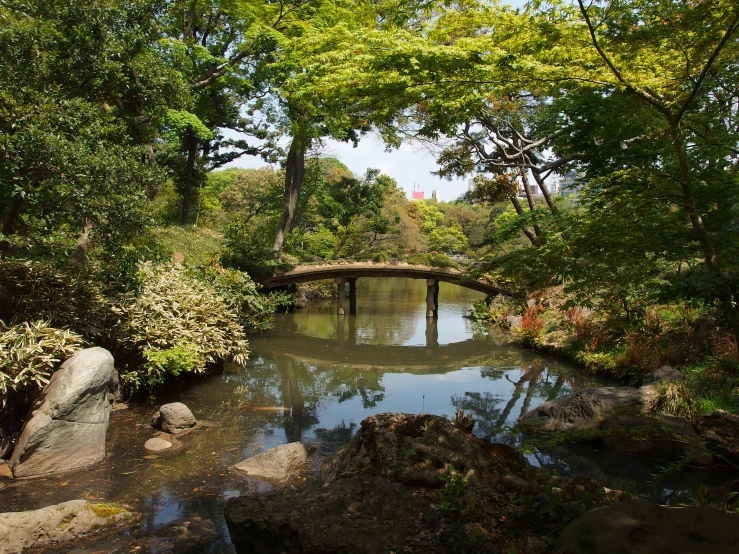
[(313, 379)]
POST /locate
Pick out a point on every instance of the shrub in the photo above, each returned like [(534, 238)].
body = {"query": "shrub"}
[(677, 398), (441, 260), (418, 259), (31, 351), (480, 310), (174, 324), (248, 247), (63, 297), (185, 357), (320, 290), (531, 326), (239, 293), (599, 362)]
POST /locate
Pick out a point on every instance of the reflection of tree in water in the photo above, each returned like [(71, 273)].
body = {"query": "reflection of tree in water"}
[(349, 383), (341, 434), (535, 380), (300, 388), (483, 408)]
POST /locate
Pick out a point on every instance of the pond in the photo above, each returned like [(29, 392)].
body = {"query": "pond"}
[(313, 378)]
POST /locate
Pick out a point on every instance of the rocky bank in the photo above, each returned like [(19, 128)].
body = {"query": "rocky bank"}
[(418, 483)]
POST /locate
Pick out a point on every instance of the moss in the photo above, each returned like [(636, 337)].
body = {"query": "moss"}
[(64, 523), (106, 511)]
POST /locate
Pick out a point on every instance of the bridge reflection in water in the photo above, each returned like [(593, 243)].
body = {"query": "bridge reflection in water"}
[(326, 387)]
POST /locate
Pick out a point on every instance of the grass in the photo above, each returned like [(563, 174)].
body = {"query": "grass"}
[(106, 511), (196, 244)]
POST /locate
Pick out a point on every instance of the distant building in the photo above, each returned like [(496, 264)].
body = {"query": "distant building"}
[(533, 189), (417, 195), (436, 195), (568, 185), (470, 185)]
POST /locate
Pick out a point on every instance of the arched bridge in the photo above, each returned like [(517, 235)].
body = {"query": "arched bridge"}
[(349, 272)]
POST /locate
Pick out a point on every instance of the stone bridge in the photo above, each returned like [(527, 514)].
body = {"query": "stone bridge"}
[(349, 272)]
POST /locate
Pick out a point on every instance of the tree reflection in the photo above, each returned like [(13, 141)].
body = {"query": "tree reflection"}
[(494, 412)]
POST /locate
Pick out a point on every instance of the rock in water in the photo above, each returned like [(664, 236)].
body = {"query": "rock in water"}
[(157, 445), (586, 408), (637, 527), (655, 436), (67, 427), (19, 530), (174, 418), (275, 464), (416, 450)]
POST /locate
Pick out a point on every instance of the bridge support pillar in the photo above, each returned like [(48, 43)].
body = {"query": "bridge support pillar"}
[(432, 298), (352, 295), (340, 281)]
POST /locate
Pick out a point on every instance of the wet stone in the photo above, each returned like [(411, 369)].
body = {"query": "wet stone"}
[(174, 418), (157, 445)]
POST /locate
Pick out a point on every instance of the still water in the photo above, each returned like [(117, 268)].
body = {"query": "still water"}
[(313, 378)]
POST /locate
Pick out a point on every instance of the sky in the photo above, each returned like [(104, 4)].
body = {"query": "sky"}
[(409, 165)]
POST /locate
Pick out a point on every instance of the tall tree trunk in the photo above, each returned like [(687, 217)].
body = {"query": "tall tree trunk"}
[(192, 155), (519, 210), (11, 215), (530, 199), (696, 221), (545, 191), (206, 153), (709, 253), (294, 175)]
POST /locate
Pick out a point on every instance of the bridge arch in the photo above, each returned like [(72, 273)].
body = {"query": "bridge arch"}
[(349, 272)]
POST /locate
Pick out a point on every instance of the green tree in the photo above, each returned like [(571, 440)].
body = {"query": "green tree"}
[(70, 161), (445, 239)]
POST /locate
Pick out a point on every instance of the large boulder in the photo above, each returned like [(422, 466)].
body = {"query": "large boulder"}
[(174, 418), (637, 527), (661, 375), (276, 464), (418, 450), (586, 408), (621, 421), (61, 522), (401, 484), (363, 515), (720, 429), (655, 436), (67, 427)]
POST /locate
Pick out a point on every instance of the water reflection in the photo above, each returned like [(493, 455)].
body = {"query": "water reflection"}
[(389, 311), (314, 378)]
